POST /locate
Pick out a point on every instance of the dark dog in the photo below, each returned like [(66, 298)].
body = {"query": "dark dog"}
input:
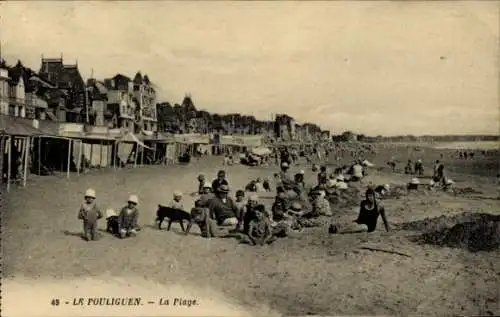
[(266, 185), (112, 226), (173, 215)]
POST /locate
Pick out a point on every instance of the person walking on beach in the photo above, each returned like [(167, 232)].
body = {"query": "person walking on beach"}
[(369, 212), (128, 218), (89, 213), (220, 180)]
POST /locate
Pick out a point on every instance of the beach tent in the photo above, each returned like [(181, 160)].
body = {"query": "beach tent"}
[(261, 151), (124, 152)]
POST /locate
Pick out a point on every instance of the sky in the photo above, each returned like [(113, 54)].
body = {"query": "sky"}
[(379, 68)]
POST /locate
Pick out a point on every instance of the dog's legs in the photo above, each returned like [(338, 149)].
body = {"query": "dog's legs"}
[(159, 224), (169, 224), (182, 225)]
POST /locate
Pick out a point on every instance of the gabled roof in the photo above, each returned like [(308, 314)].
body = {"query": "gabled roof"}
[(70, 76), (138, 78), (146, 79), (121, 77)]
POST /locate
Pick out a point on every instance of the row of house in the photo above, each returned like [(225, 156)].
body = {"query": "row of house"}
[(58, 92)]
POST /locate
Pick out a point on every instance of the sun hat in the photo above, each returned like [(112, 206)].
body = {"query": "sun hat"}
[(177, 193), (302, 172), (90, 193), (432, 182), (133, 199), (207, 185), (223, 189), (296, 206), (341, 185), (414, 181), (110, 213), (387, 186), (253, 197), (284, 164), (331, 183)]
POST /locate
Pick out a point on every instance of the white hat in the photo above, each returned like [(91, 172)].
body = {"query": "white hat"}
[(207, 185), (302, 172), (340, 178), (432, 182), (133, 199), (414, 181), (341, 185), (419, 161), (387, 186), (90, 193), (449, 182), (253, 197), (331, 183), (322, 193), (284, 164), (177, 193), (110, 213)]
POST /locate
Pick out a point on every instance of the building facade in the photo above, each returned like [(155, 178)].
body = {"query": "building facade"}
[(120, 108), (145, 96), (4, 89)]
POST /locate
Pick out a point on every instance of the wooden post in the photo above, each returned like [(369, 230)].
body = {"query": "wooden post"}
[(9, 162), (79, 159), (26, 156), (135, 154), (114, 149), (155, 147), (142, 156), (69, 158), (100, 154), (39, 155)]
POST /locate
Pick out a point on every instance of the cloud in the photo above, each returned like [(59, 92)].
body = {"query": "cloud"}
[(385, 68)]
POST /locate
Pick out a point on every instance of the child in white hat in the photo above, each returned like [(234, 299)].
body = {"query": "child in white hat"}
[(128, 217), (176, 202), (89, 213)]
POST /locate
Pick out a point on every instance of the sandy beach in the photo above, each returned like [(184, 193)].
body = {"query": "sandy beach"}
[(309, 272)]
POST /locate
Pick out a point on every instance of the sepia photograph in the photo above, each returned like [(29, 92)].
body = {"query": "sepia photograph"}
[(250, 158)]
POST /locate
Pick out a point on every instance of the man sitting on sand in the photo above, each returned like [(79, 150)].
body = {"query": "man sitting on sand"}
[(369, 212), (199, 216), (223, 208)]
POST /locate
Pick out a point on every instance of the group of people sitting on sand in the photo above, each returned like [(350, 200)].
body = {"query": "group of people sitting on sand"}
[(217, 214)]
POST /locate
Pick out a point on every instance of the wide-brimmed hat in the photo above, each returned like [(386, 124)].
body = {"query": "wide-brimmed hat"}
[(177, 193), (387, 187), (207, 185), (110, 213), (302, 172), (296, 206), (223, 189), (90, 193), (133, 199), (415, 181), (284, 164), (341, 185)]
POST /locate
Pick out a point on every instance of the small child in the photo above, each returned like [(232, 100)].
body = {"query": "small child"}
[(177, 203), (128, 218), (260, 231), (240, 208), (89, 213), (199, 216), (112, 225)]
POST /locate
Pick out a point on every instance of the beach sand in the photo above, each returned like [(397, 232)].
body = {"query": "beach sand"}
[(308, 273)]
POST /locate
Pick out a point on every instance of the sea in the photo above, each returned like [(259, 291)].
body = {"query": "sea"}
[(467, 145)]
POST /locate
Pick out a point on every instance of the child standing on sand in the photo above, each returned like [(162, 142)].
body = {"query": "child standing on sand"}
[(240, 208), (89, 213)]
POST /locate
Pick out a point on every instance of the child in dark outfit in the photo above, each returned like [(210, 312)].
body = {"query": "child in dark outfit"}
[(112, 224), (260, 231), (89, 213), (367, 219), (199, 216)]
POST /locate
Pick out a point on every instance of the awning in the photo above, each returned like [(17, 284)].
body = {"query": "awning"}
[(130, 137)]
